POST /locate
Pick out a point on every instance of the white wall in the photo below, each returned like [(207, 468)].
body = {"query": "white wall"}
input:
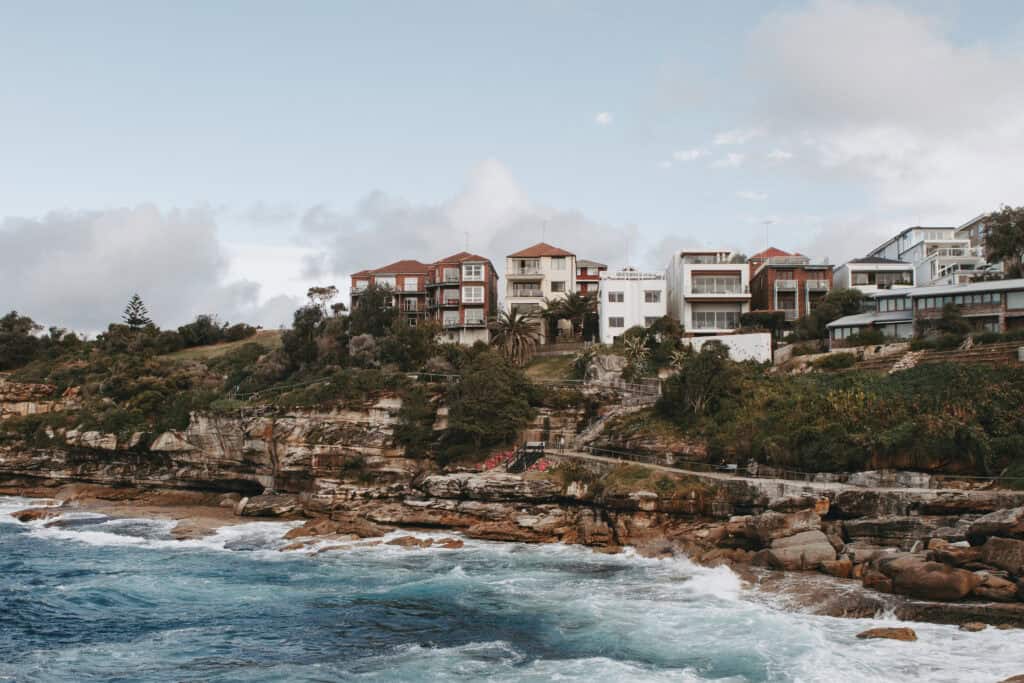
[(755, 346), (633, 308)]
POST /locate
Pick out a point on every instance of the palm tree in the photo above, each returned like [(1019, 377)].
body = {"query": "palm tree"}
[(637, 354), (575, 307), (515, 334)]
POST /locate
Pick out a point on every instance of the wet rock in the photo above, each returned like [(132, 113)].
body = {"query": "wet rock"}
[(450, 543), (1008, 523), (229, 500), (190, 529), (973, 626), (269, 505), (766, 527), (995, 588), (805, 550), (955, 556), (299, 545), (34, 514), (1004, 553), (410, 542), (893, 530), (905, 634), (915, 576), (876, 580)]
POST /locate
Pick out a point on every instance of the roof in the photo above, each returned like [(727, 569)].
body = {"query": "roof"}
[(970, 288), (584, 263), (880, 261), (769, 252), (541, 249), (463, 256), (872, 317), (402, 267)]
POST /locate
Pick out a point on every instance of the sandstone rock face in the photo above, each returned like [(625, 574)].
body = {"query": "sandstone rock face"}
[(1004, 553), (915, 576), (766, 527), (905, 634), (876, 580), (1007, 523), (34, 514), (805, 550), (973, 626), (841, 569), (490, 487), (899, 531)]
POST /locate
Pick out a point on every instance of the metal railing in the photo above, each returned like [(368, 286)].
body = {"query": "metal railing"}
[(527, 292), (525, 270), (786, 284)]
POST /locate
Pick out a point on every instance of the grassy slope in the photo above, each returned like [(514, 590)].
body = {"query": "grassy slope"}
[(269, 339), (549, 367)]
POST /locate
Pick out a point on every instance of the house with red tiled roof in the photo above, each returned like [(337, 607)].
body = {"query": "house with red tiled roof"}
[(787, 282), (406, 279), (538, 273)]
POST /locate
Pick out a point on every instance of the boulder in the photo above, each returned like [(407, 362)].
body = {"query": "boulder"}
[(1004, 553), (34, 514), (905, 634), (842, 569), (876, 580), (805, 550), (410, 542), (1008, 523), (893, 530), (973, 626), (450, 543), (765, 528), (995, 588), (270, 505), (955, 556), (915, 576)]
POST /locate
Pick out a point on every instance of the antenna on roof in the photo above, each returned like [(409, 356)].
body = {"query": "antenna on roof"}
[(766, 224)]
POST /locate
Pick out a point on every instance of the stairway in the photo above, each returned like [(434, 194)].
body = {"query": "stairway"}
[(906, 361)]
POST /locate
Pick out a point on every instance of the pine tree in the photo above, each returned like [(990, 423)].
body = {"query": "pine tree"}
[(135, 314)]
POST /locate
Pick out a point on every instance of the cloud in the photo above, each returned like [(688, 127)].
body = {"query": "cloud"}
[(779, 155), (603, 118), (492, 211), (730, 160), (752, 196), (688, 154), (737, 137), (934, 127), (78, 269)]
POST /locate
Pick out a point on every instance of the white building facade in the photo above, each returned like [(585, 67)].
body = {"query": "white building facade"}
[(874, 274), (939, 255), (537, 273), (707, 291), (628, 298)]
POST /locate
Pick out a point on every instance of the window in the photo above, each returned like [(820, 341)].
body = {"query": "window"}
[(411, 284), (716, 320), (648, 321), (472, 295), (616, 297), (717, 285), (474, 316), (451, 274), (386, 281), (450, 318), (652, 296), (616, 321), (473, 271), (557, 263), (1015, 300), (558, 286), (360, 285)]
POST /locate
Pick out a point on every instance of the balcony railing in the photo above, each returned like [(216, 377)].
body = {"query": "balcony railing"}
[(528, 292), (525, 270), (468, 323), (817, 284), (409, 306), (719, 289), (786, 284)]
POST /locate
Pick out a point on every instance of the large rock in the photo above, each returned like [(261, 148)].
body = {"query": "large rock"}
[(894, 530), (805, 550), (905, 634), (35, 514), (270, 506), (915, 576), (765, 528), (1007, 523), (490, 486), (1004, 553), (996, 588)]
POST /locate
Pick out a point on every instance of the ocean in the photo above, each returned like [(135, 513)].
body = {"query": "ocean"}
[(104, 599)]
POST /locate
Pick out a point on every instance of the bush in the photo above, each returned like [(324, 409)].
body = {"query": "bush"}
[(867, 337), (238, 332), (835, 361)]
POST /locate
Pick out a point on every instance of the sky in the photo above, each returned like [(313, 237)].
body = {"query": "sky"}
[(223, 157)]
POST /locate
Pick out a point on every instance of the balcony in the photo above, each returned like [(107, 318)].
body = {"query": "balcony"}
[(817, 285), (410, 306), (473, 322), (786, 284), (527, 292), (524, 271), (718, 290)]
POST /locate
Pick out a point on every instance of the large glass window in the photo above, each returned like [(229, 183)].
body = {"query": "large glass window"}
[(385, 281), (411, 284), (716, 320), (474, 316), (557, 263), (473, 272), (717, 284), (472, 295)]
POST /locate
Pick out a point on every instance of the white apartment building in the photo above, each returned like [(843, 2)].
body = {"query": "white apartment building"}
[(629, 297), (707, 291), (939, 255), (873, 274), (537, 273)]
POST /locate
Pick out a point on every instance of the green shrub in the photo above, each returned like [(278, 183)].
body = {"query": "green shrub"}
[(835, 361)]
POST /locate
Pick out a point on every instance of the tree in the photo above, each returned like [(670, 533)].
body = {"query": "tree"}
[(1005, 239), (515, 335), (738, 258), (18, 341), (203, 331), (490, 405), (638, 355), (952, 321), (773, 321), (319, 296), (415, 428), (704, 378), (135, 314), (575, 308), (373, 313), (299, 343), (835, 305)]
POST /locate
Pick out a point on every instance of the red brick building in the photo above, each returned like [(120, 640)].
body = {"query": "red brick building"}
[(780, 281), (459, 293), (588, 276)]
